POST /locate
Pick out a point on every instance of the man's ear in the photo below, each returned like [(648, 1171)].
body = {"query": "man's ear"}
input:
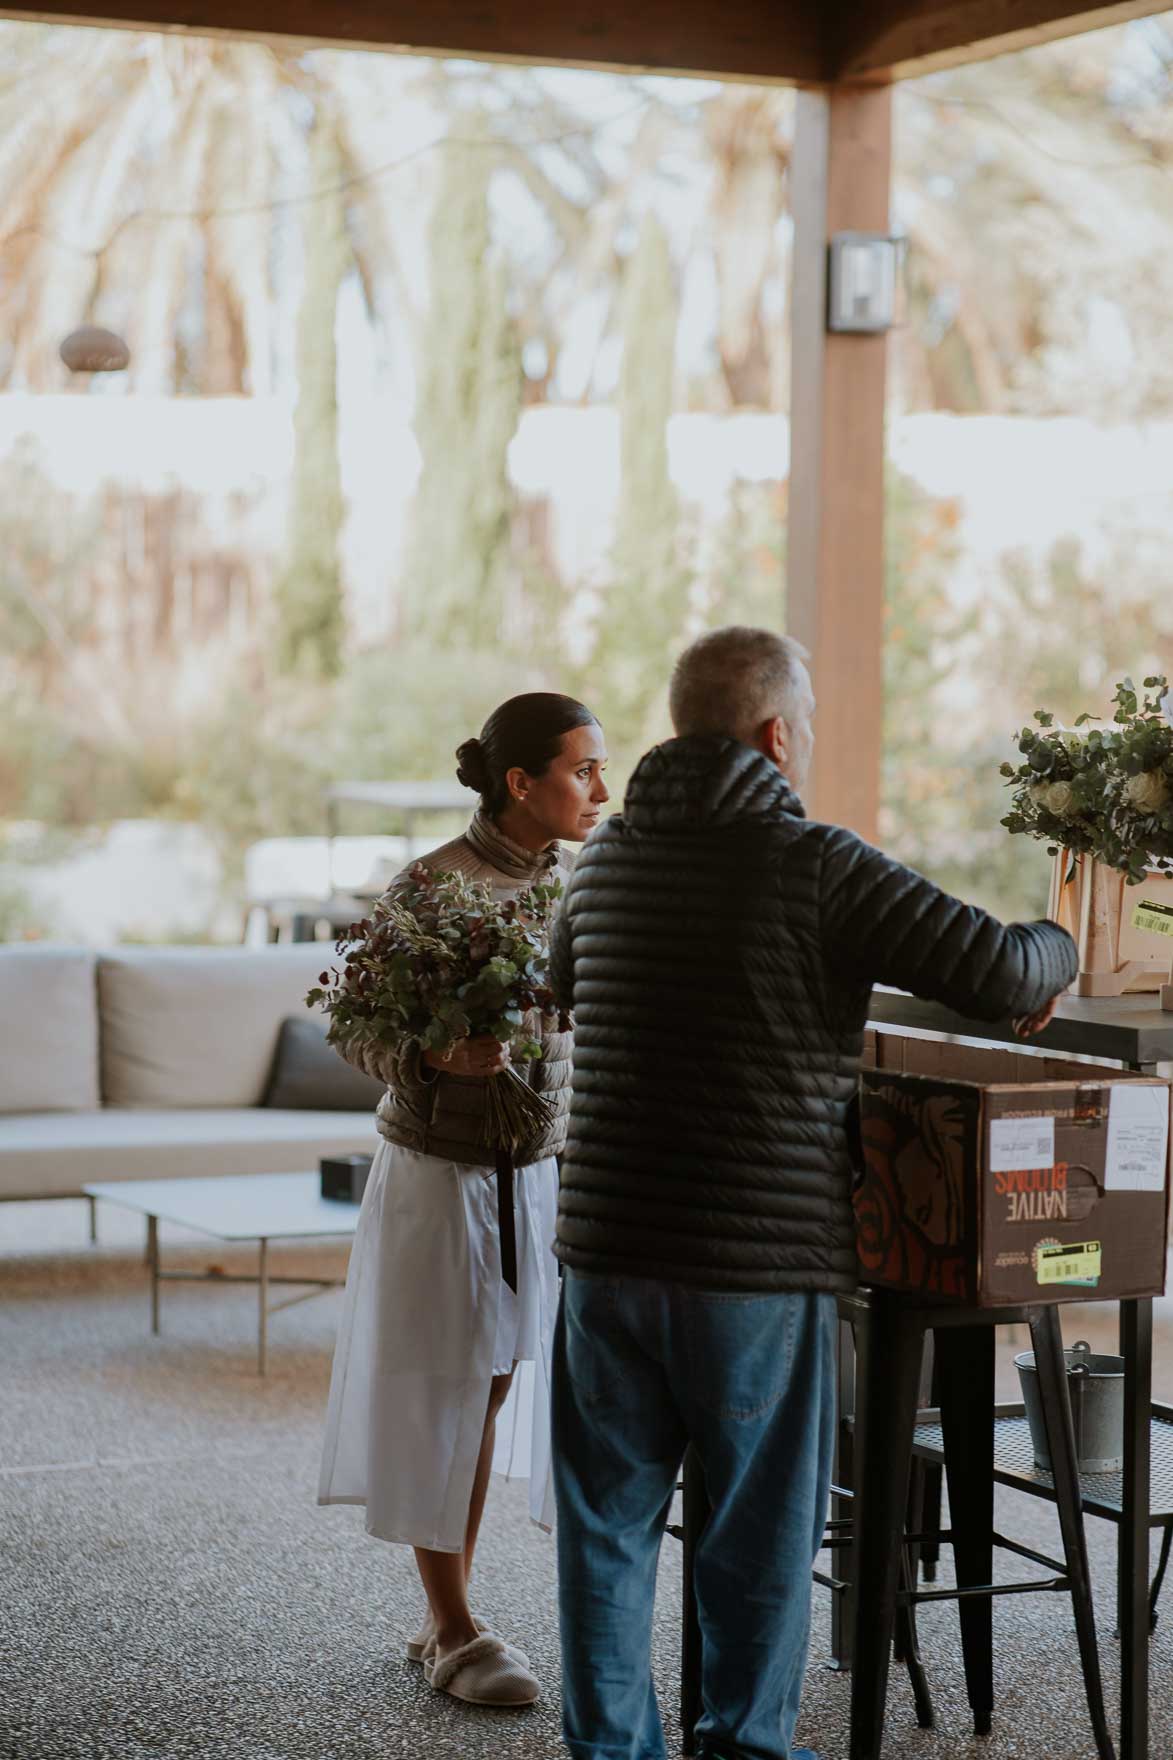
[(773, 741)]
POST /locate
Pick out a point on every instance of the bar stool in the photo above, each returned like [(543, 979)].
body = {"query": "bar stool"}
[(890, 1332), (885, 1535)]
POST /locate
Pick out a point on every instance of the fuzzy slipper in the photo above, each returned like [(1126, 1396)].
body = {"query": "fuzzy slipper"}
[(482, 1673), (420, 1648)]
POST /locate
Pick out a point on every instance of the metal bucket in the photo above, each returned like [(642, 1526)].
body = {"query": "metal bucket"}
[(1096, 1388)]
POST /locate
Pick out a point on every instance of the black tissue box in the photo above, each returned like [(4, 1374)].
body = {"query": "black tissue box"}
[(344, 1177)]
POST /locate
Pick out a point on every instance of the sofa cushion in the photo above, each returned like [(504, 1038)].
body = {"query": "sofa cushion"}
[(197, 1026), (308, 1074), (49, 1155), (48, 1029)]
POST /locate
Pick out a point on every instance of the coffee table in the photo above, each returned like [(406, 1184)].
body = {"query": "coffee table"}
[(259, 1207)]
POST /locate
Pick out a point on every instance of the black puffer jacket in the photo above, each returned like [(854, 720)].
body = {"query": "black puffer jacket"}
[(719, 950)]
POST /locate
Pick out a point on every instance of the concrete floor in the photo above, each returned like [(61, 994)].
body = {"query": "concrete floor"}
[(170, 1587)]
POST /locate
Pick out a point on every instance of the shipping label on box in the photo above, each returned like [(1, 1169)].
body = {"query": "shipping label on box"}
[(1011, 1192)]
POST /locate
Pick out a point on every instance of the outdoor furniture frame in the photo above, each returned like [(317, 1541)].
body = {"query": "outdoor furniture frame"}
[(405, 800), (253, 1207)]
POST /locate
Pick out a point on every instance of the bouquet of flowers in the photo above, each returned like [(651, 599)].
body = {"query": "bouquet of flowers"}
[(1105, 792), (443, 960)]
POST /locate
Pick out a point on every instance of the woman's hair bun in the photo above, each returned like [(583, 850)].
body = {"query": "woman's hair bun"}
[(471, 766)]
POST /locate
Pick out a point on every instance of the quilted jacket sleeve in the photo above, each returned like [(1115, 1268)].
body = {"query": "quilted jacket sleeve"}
[(884, 924), (399, 1066)]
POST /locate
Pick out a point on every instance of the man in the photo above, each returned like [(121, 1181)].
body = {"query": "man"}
[(719, 949)]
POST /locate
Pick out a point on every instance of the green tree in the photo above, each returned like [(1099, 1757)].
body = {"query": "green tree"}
[(46, 610), (646, 604), (939, 800), (746, 574), (256, 763), (1057, 636), (459, 569), (310, 611)]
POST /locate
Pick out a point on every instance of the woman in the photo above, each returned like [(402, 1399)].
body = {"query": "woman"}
[(431, 1335)]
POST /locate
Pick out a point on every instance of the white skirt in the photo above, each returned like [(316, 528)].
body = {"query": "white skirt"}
[(426, 1323)]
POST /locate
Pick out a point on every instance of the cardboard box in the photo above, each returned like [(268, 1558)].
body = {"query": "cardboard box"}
[(1122, 947), (992, 1178)]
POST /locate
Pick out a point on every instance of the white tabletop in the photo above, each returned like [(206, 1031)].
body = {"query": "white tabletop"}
[(236, 1207)]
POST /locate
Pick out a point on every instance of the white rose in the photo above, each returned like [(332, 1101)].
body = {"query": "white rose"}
[(1148, 792), (1038, 793), (1167, 707), (1059, 798)]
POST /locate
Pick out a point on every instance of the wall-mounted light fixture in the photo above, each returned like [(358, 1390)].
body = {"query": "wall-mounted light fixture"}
[(92, 350), (862, 277)]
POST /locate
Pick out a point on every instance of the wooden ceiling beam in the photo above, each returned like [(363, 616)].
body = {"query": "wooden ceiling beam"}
[(900, 39), (763, 41), (798, 42)]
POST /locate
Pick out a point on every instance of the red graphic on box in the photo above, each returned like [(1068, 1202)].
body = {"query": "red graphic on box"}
[(910, 1202)]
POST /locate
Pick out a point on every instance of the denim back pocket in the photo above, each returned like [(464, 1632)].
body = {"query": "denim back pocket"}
[(740, 1350)]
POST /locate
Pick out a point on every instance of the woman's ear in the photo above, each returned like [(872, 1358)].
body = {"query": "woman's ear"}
[(517, 782)]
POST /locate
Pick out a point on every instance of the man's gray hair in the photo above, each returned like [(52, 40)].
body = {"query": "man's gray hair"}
[(733, 679)]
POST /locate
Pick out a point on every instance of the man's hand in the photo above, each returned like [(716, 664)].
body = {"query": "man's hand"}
[(481, 1057), (1027, 1025)]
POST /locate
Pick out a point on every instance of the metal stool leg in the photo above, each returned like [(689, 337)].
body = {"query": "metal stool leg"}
[(1047, 1340), (929, 1517), (915, 1524), (843, 1473), (928, 1514), (919, 1489), (696, 1514), (906, 1648), (908, 1651), (889, 1344), (966, 1359), (1136, 1347), (1162, 1567)]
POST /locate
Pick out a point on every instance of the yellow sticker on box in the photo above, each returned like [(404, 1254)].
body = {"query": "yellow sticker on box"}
[(1154, 919), (1071, 1264)]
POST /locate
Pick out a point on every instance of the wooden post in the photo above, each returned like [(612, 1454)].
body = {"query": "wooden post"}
[(840, 181)]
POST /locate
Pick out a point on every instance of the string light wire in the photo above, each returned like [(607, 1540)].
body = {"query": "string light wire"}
[(353, 180)]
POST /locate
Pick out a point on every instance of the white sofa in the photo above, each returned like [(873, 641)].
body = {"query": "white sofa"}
[(149, 1063)]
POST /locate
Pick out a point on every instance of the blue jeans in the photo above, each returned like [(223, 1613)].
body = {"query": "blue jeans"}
[(641, 1369)]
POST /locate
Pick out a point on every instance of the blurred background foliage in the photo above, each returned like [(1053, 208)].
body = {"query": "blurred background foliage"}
[(512, 240)]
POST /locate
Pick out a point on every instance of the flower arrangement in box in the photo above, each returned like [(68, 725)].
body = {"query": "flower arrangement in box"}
[(1101, 798), (1105, 792)]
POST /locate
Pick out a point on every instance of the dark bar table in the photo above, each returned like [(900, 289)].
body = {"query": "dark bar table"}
[(1133, 1030), (1136, 1032)]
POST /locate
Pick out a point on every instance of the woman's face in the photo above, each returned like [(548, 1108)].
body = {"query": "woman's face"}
[(565, 803)]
